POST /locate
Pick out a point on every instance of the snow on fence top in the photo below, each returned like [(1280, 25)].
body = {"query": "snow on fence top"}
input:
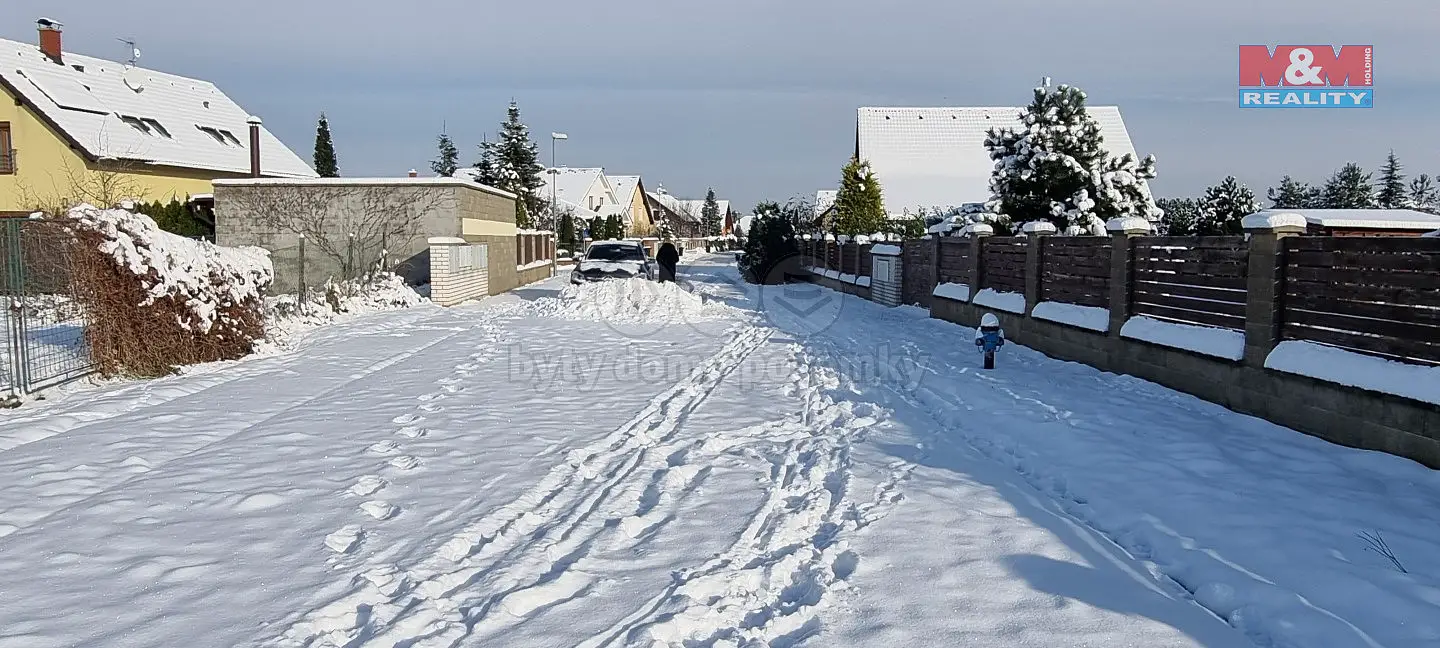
[(1131, 224), (1269, 220), (206, 279), (886, 250)]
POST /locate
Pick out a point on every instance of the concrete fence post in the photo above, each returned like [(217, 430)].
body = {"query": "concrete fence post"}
[(935, 262), (1122, 262), (1035, 260), (978, 233), (1264, 285)]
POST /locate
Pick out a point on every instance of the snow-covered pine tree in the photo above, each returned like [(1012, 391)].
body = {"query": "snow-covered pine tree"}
[(1423, 195), (710, 214), (517, 166), (449, 157), (1054, 168), (859, 204), (665, 229), (1291, 194), (1349, 188), (1390, 188), (1181, 216), (326, 164), (485, 165), (1224, 207)]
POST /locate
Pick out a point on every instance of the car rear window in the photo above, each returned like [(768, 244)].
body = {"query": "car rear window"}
[(615, 253)]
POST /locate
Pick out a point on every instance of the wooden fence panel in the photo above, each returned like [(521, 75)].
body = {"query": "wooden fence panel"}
[(956, 265), (832, 255), (1379, 296), (850, 255), (1003, 262), (1076, 270), (917, 267), (866, 263), (1194, 280)]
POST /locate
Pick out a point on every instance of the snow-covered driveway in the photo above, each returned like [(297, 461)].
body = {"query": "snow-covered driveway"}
[(767, 468)]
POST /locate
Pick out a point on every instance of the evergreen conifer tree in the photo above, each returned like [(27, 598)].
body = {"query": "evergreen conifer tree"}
[(1054, 168), (517, 166), (325, 162), (614, 227), (769, 245), (565, 233), (665, 230), (1349, 188), (1181, 217), (1291, 194), (859, 204), (710, 215), (485, 165), (1391, 193), (1423, 194), (1224, 207), (448, 160)]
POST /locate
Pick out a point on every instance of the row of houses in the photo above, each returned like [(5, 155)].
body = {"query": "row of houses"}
[(589, 193), (935, 158), (78, 128)]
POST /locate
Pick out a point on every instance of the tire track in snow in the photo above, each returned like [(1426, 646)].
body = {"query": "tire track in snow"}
[(770, 586), (524, 552)]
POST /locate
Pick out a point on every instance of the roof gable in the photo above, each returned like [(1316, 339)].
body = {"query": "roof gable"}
[(624, 186), (575, 184), (111, 111), (936, 157)]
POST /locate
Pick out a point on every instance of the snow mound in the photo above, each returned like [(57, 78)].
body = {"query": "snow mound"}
[(632, 301), (287, 317)]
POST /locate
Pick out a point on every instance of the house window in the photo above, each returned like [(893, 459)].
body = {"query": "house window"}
[(136, 124), (7, 151), (212, 132), (155, 126)]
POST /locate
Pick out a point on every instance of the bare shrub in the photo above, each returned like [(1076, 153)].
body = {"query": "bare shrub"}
[(157, 301)]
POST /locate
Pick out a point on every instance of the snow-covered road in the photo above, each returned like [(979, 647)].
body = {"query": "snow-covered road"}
[(636, 467)]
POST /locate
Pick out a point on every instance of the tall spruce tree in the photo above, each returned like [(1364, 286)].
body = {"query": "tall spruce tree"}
[(325, 162), (565, 233), (1291, 194), (1054, 168), (449, 157), (1224, 207), (517, 166), (1349, 188), (859, 204), (1181, 218), (710, 214), (1390, 188), (485, 164), (1423, 195)]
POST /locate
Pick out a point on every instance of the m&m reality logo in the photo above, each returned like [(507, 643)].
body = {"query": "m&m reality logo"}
[(1306, 76)]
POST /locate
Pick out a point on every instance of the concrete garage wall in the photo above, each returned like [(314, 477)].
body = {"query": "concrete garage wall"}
[(424, 207)]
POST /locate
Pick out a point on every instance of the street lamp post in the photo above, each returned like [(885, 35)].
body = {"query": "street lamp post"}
[(555, 176)]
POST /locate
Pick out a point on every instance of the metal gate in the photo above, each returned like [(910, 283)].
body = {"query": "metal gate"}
[(44, 325)]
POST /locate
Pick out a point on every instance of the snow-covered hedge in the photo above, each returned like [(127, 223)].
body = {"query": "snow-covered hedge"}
[(158, 300)]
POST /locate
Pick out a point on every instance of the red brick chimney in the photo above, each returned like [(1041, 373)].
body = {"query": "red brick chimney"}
[(254, 123), (414, 173), (50, 39)]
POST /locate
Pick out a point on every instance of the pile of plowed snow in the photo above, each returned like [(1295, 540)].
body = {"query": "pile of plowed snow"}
[(632, 301)]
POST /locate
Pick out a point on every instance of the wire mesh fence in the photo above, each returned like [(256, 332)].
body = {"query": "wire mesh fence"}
[(44, 325)]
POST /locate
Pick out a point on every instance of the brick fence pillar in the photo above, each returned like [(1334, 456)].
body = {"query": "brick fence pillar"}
[(978, 233), (1034, 260), (1122, 261), (441, 248), (1264, 285)]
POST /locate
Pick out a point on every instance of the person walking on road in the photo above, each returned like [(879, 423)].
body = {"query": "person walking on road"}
[(667, 257)]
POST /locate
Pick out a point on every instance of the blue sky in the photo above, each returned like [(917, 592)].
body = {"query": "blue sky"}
[(757, 99)]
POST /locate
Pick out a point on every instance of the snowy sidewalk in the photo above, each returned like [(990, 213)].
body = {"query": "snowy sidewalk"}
[(648, 468)]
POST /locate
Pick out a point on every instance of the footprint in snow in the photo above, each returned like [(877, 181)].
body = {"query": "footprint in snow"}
[(404, 462), (385, 448), (431, 407), (407, 419), (379, 509), (413, 432), (429, 397), (368, 485)]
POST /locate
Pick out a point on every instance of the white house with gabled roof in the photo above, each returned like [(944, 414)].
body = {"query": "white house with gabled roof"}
[(935, 157), (586, 187), (68, 119)]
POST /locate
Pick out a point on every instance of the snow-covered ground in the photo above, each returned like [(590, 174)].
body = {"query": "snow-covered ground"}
[(785, 466)]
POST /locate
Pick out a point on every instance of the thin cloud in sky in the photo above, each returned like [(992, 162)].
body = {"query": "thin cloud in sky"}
[(757, 98)]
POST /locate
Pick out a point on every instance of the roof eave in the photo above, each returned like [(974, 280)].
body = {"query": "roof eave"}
[(24, 101)]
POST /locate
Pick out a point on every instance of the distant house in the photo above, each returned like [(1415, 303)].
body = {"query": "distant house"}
[(687, 214), (74, 127), (588, 188), (935, 157), (630, 190), (1364, 222)]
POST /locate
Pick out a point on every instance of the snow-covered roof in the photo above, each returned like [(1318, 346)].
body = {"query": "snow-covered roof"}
[(624, 187), (574, 184), (365, 182), (1400, 219), (109, 110), (824, 199), (935, 157)]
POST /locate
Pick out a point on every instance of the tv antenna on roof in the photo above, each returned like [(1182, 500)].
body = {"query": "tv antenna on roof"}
[(134, 51)]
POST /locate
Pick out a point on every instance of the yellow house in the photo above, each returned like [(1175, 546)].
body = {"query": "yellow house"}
[(630, 191), (75, 128)]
